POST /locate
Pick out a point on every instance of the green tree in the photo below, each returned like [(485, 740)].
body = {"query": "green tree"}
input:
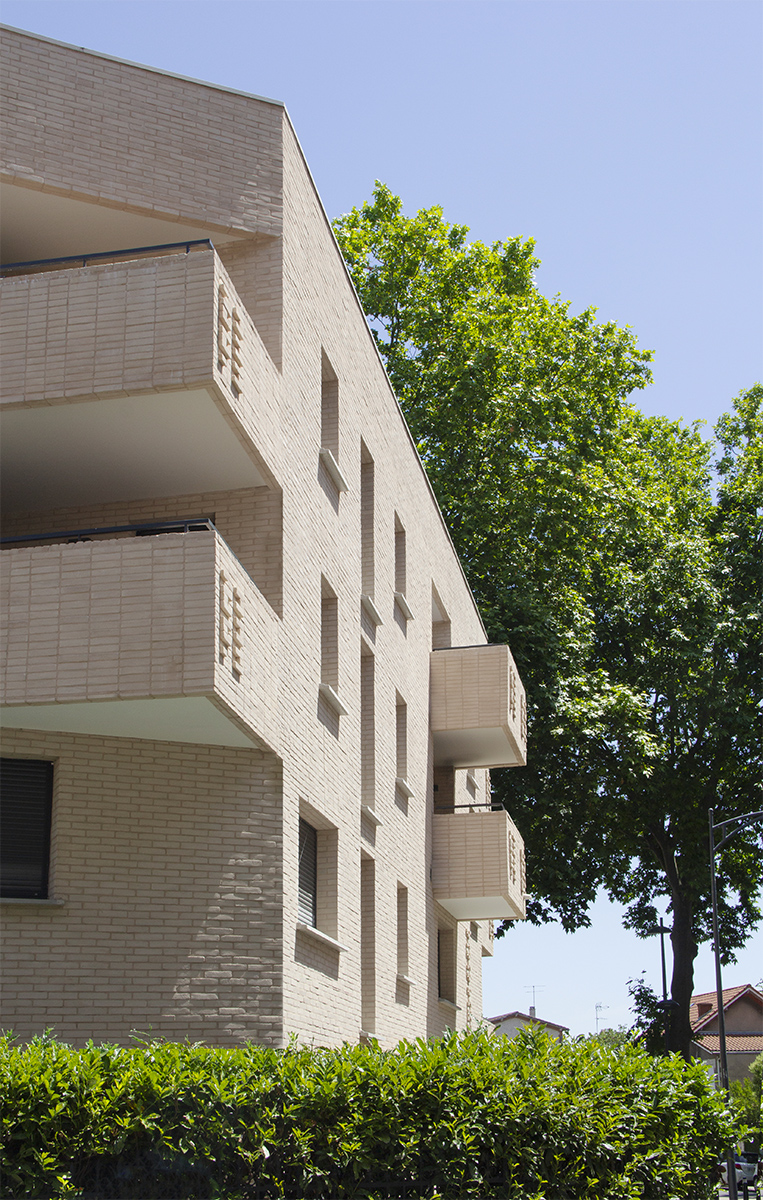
[(595, 544)]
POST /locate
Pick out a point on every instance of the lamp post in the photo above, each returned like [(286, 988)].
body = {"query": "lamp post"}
[(736, 824), (665, 1004)]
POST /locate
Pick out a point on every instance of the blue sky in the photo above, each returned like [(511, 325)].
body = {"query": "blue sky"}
[(625, 136)]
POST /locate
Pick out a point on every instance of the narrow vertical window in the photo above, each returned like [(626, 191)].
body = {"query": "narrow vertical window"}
[(307, 909), (329, 636), (367, 729), (330, 707), (329, 451), (367, 521), (441, 634), (26, 793), (329, 407), (446, 965), (400, 558), (402, 608), (403, 789), (402, 930), (401, 738), (368, 944)]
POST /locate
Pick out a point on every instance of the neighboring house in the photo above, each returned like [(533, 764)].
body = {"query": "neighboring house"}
[(509, 1024), (248, 704), (743, 1013)]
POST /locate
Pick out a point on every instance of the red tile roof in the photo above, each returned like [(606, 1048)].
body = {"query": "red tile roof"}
[(736, 1043), (730, 996)]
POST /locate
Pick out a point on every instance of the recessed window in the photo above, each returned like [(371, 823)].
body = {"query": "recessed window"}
[(26, 795), (329, 407), (329, 636), (441, 632), (368, 944), (329, 451), (402, 930), (403, 612), (317, 906), (307, 909), (446, 965), (368, 580), (367, 728), (401, 737)]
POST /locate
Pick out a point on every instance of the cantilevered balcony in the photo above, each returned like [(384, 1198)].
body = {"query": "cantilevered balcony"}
[(477, 708), (130, 375), (139, 634), (478, 865)]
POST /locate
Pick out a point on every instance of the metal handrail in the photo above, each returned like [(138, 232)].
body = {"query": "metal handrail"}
[(101, 254), (182, 525), (446, 808)]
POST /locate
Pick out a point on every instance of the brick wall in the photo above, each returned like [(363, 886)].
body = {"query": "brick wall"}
[(167, 861), (135, 138), (297, 312)]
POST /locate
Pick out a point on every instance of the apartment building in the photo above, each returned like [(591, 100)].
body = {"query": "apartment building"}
[(248, 707)]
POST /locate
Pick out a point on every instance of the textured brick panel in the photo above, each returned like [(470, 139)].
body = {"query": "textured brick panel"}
[(479, 861)]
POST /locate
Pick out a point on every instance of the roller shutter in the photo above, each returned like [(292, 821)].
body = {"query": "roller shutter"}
[(26, 792)]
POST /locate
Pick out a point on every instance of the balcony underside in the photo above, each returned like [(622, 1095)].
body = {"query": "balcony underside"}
[(125, 447), (39, 224), (196, 719), (476, 748)]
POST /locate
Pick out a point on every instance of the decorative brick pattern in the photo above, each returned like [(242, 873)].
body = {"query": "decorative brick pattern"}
[(478, 861)]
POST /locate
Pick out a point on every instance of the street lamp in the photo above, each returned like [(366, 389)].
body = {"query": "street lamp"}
[(736, 824), (665, 1004)]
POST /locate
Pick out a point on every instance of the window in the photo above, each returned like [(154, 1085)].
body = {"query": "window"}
[(317, 901), (330, 706), (401, 737), (368, 943), (367, 728), (403, 789), (329, 407), (329, 451), (26, 794), (446, 965), (400, 558), (329, 636), (367, 521), (403, 612), (441, 635), (402, 930), (307, 909)]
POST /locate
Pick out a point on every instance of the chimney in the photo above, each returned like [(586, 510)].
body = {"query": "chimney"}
[(532, 1011)]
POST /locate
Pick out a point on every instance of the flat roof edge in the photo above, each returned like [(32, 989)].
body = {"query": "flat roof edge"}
[(126, 62)]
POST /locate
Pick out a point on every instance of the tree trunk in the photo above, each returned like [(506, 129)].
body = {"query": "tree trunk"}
[(682, 984)]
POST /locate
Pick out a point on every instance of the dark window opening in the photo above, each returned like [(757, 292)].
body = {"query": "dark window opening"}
[(26, 796)]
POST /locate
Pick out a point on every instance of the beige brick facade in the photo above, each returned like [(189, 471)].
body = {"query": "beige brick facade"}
[(200, 689)]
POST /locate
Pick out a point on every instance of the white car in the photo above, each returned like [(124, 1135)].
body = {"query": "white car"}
[(746, 1172)]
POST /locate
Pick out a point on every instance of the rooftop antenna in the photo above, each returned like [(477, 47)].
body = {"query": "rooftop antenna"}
[(599, 1010), (534, 987)]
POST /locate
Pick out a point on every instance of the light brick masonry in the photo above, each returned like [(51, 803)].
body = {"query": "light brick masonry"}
[(200, 691)]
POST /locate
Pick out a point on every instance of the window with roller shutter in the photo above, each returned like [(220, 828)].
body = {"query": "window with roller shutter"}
[(26, 794), (308, 874)]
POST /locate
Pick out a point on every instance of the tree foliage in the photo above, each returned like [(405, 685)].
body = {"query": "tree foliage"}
[(596, 545)]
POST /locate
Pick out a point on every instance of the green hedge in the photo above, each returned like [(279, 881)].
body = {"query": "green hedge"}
[(467, 1116)]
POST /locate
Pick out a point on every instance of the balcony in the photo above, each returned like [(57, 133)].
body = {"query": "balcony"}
[(478, 866), (478, 708), (162, 637), (138, 374)]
